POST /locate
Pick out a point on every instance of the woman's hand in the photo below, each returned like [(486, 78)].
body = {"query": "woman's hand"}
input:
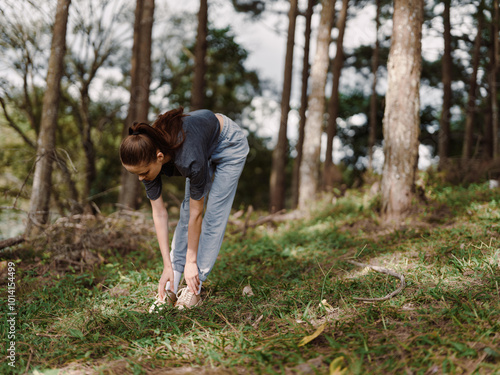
[(191, 277), (167, 275)]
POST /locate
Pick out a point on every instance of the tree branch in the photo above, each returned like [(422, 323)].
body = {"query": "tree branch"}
[(387, 272), (13, 125)]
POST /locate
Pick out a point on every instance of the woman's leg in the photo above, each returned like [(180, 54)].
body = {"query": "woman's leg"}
[(229, 159), (220, 201)]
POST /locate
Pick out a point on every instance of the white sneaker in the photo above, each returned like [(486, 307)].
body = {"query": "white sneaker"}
[(187, 299), (169, 301)]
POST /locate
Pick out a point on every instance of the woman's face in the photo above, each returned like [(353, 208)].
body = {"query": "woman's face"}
[(147, 172)]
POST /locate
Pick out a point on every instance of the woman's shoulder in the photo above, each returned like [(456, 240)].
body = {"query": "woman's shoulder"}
[(199, 114)]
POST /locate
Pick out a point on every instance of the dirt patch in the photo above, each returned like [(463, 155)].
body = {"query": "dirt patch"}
[(123, 367)]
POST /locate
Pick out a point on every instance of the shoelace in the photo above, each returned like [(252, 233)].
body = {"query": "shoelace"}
[(184, 296)]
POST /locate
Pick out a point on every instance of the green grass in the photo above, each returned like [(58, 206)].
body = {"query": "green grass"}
[(446, 321)]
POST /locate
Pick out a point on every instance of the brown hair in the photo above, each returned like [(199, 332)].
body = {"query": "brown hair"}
[(166, 134)]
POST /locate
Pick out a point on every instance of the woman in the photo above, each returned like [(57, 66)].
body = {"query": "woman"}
[(208, 149)]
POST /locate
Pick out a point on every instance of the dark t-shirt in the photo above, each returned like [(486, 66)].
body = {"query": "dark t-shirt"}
[(192, 159)]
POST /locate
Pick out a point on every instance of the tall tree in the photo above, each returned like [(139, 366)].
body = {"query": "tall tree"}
[(42, 181), (309, 168), (373, 98), (139, 91), (490, 104), (277, 181), (494, 75), (22, 39), (97, 43), (471, 101), (331, 173), (200, 67), (446, 67), (303, 104), (401, 117)]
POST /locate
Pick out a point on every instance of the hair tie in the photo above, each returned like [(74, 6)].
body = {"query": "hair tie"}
[(135, 132)]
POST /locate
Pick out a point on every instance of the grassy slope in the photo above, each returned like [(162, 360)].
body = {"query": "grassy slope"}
[(447, 320)]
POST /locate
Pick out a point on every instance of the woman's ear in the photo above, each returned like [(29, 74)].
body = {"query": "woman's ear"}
[(159, 156)]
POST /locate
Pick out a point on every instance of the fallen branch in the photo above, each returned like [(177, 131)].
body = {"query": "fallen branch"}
[(387, 272), (276, 217), (11, 242)]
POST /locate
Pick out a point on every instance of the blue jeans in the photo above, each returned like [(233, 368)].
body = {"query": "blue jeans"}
[(226, 165)]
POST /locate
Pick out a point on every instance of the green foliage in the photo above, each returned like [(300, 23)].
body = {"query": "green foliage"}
[(253, 7), (253, 187), (230, 87)]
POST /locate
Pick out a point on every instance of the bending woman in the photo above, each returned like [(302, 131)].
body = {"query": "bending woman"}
[(208, 149)]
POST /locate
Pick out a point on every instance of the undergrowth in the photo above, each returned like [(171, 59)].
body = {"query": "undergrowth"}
[(94, 319)]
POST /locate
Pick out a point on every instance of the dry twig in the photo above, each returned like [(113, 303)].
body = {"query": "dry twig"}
[(227, 321)]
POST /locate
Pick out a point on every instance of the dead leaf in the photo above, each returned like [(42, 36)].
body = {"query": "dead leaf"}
[(329, 308), (308, 339), (247, 291), (336, 367)]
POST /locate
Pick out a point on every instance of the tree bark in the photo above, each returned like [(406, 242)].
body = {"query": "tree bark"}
[(278, 170), (139, 92), (309, 168), (446, 67), (401, 117), (200, 67), (88, 148), (303, 105), (494, 85), (487, 136), (471, 101), (331, 173), (373, 98), (42, 181)]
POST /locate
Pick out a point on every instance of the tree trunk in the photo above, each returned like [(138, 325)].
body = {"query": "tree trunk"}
[(88, 148), (446, 67), (373, 99), (200, 67), (494, 88), (401, 117), (139, 92), (471, 101), (331, 173), (309, 168), (303, 105), (42, 181), (487, 136), (278, 171)]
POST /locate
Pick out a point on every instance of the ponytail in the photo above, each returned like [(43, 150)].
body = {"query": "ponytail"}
[(166, 135)]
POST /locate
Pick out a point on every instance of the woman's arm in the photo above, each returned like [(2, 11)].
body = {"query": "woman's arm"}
[(160, 218), (194, 232)]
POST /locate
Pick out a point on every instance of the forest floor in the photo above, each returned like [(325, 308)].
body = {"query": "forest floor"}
[(83, 292)]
